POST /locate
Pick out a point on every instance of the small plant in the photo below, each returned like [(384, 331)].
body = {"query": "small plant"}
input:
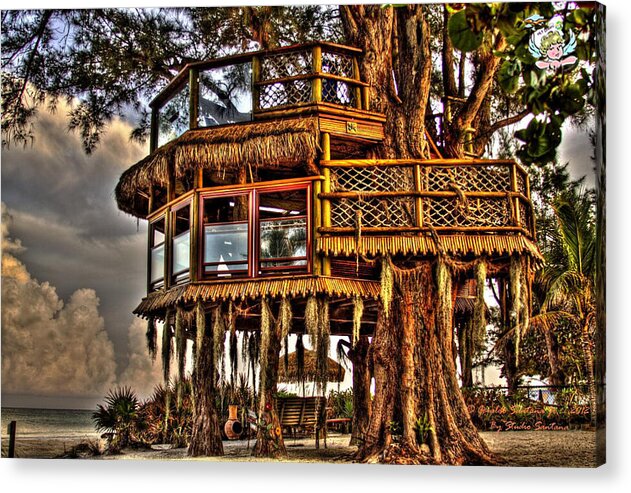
[(422, 427), (119, 417)]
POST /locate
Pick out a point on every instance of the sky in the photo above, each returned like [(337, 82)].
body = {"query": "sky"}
[(74, 267)]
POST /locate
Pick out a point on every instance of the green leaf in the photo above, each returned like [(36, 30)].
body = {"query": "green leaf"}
[(508, 76), (463, 38)]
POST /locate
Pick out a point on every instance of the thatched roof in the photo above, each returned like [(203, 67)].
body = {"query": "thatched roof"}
[(258, 144), (335, 371), (156, 303)]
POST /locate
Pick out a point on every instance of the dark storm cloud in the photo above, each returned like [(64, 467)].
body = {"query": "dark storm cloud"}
[(64, 213), (576, 149)]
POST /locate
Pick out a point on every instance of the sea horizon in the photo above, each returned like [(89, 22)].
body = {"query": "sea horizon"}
[(48, 423)]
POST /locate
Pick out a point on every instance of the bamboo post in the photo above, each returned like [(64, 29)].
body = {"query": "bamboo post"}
[(150, 205), (358, 91), (256, 77), (193, 97), (316, 83), (515, 199), (155, 129), (12, 430), (326, 204), (419, 199), (317, 223), (468, 139)]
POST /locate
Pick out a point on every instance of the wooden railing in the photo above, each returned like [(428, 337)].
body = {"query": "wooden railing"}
[(388, 197), (254, 85)]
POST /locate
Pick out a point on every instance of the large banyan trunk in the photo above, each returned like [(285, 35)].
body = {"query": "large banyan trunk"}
[(206, 435), (269, 436), (361, 389), (412, 345)]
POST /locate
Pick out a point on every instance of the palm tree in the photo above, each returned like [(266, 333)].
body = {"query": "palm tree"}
[(569, 276), (119, 416)]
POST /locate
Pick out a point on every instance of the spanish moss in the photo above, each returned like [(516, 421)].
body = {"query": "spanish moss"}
[(266, 322), (285, 317), (234, 350), (311, 321), (516, 299), (358, 312), (387, 285), (200, 325), (479, 309), (180, 346), (166, 351), (300, 358), (322, 349), (219, 336), (444, 284), (152, 338)]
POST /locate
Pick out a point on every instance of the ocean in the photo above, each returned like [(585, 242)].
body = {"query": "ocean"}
[(49, 423)]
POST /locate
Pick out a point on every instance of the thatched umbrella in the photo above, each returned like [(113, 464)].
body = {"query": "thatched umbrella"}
[(291, 374)]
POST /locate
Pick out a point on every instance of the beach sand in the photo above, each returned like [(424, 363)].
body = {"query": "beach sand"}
[(519, 448)]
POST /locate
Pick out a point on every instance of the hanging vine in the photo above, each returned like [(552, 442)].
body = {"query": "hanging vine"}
[(234, 350), (152, 338), (180, 345), (515, 274), (166, 350), (266, 327), (444, 282), (387, 284), (300, 358), (322, 349), (479, 308), (219, 337), (200, 326), (311, 321), (358, 312)]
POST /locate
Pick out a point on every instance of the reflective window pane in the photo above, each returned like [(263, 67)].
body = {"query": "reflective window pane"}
[(157, 263), (174, 117), (282, 238), (225, 248), (181, 253), (225, 95)]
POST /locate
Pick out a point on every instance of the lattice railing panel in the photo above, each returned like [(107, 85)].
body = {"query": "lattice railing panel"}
[(286, 65), (337, 64), (451, 212), (284, 93), (521, 183), (524, 215), (385, 179), (337, 92), (467, 178), (373, 212)]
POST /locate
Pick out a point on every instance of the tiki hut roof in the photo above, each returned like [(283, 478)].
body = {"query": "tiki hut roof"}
[(335, 371), (289, 142)]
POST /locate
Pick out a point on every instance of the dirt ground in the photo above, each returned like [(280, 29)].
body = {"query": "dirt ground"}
[(518, 448)]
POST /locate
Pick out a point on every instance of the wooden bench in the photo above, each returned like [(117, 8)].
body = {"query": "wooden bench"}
[(307, 413)]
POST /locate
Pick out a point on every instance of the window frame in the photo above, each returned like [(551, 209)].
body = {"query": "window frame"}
[(159, 283), (174, 277)]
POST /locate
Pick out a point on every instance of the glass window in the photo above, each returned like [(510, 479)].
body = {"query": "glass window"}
[(225, 95), (156, 257), (226, 234), (282, 230), (174, 116), (180, 263)]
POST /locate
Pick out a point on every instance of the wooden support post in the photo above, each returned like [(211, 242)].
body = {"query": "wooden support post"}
[(199, 178), (195, 238), (12, 430), (326, 204), (419, 200), (170, 182), (256, 77), (151, 198), (316, 84), (193, 100), (155, 129), (167, 248)]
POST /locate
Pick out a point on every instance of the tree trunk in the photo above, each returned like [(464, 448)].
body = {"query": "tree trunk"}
[(206, 435), (361, 390), (414, 347), (557, 376), (269, 436), (588, 354)]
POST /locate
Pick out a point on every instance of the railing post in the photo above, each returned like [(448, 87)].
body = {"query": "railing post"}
[(316, 83), (326, 203), (418, 185), (358, 91), (12, 431), (256, 78), (193, 99), (515, 199)]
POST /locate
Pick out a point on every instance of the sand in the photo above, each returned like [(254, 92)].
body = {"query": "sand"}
[(519, 448)]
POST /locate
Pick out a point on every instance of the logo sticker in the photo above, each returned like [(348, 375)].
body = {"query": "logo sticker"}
[(549, 44)]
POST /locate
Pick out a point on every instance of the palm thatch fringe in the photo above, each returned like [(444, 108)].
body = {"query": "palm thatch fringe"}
[(426, 245), (157, 302), (307, 368), (259, 144)]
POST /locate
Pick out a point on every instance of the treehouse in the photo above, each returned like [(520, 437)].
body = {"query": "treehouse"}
[(260, 184)]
